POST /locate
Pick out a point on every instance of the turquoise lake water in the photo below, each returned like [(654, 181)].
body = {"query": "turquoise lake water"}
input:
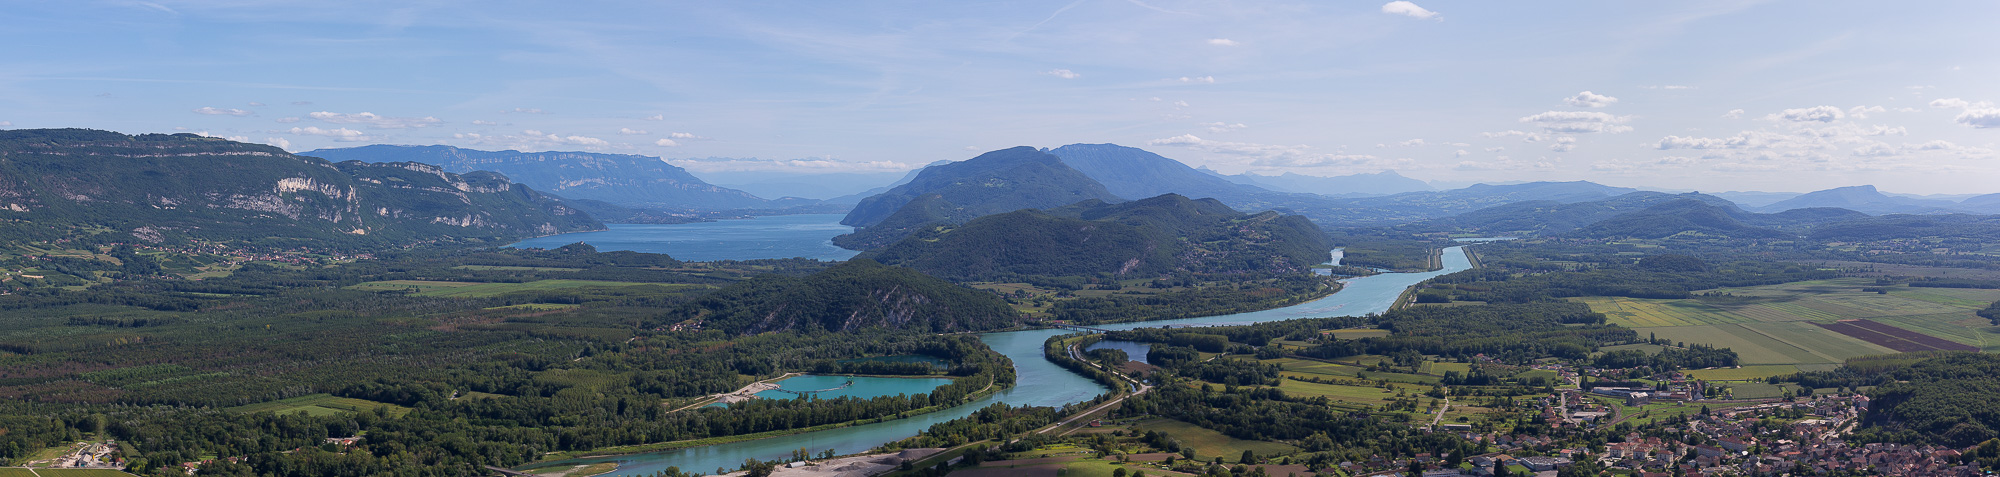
[(776, 236), (1134, 350), (1040, 383)]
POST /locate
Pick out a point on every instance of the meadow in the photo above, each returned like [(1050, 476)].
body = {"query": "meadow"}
[(319, 405), (1208, 443)]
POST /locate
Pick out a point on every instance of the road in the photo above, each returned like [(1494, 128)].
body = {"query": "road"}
[(1140, 387)]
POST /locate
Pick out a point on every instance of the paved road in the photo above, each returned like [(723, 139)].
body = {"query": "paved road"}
[(1141, 389)]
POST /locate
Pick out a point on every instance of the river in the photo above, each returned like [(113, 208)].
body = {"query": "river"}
[(1039, 382)]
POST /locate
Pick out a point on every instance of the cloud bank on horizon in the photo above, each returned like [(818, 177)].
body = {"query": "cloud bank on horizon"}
[(1709, 95)]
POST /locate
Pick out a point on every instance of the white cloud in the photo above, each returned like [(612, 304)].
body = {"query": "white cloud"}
[(282, 143), (657, 117), (1588, 99), (4, 124), (524, 111), (531, 139), (682, 135), (1861, 112), (1412, 143), (289, 120), (1948, 146), (1220, 127), (1579, 122), (1948, 103), (483, 122), (1460, 153), (1182, 104), (1507, 133), (375, 120), (232, 138), (1062, 73), (666, 143), (1733, 114), (255, 104), (631, 132), (1675, 86), (1981, 118), (1563, 144), (214, 111), (1496, 149), (1742, 140), (1408, 9), (1824, 114), (1198, 79), (1876, 150), (338, 134), (1223, 42)]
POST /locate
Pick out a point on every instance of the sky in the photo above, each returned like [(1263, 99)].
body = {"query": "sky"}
[(1690, 95)]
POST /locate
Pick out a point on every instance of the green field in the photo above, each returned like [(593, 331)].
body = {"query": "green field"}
[(1372, 396), (320, 405), (1773, 324), (1439, 368), (1358, 333), (480, 290), (1209, 444), (516, 269), (1743, 373), (1303, 367)]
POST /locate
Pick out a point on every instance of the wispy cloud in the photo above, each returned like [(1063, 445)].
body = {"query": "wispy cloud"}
[(1588, 99), (1223, 42), (375, 120), (338, 134), (214, 111), (1062, 73)]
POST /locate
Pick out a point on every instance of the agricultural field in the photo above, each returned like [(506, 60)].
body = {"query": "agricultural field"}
[(320, 405), (1208, 443), (1358, 333), (480, 290), (1788, 324), (1308, 368), (1744, 373)]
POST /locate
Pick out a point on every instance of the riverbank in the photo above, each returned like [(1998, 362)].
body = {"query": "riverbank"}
[(618, 451)]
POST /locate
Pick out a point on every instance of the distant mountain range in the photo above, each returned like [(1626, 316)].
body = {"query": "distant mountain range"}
[(158, 188), (1348, 186), (1159, 236), (1864, 198), (620, 179)]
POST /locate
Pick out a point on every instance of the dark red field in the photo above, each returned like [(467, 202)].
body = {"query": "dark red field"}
[(1894, 338)]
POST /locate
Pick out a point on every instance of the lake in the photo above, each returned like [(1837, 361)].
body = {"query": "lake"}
[(773, 236), (1039, 382)]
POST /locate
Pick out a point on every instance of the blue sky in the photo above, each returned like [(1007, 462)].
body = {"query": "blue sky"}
[(1782, 96)]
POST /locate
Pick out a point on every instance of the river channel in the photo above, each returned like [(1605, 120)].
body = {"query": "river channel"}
[(1039, 382)]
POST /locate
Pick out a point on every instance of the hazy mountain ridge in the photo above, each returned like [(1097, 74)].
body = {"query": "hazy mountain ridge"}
[(622, 179), (1157, 236), (166, 188), (998, 181)]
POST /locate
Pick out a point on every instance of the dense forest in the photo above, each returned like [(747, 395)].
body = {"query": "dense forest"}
[(562, 350)]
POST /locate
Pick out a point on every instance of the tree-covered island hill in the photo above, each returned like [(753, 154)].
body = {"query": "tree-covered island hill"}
[(177, 304)]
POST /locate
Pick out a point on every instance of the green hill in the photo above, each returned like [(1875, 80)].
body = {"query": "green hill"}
[(999, 181), (1160, 236), (854, 295), (624, 179), (101, 187)]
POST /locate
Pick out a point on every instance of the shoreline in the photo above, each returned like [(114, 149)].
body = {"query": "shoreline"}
[(709, 441)]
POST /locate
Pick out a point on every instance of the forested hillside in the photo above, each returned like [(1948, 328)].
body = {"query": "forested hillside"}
[(623, 179), (1000, 181), (854, 295), (1168, 235), (98, 187)]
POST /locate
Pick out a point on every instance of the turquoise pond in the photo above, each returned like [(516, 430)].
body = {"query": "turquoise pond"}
[(864, 387), (775, 236), (1134, 350)]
